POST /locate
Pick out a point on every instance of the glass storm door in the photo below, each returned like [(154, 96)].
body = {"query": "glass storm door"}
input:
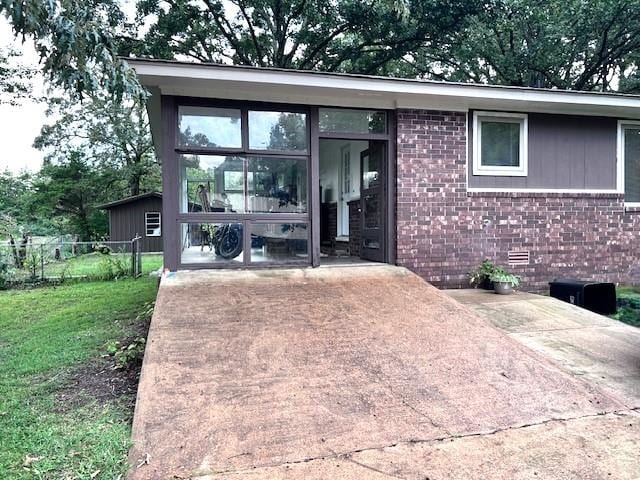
[(372, 201)]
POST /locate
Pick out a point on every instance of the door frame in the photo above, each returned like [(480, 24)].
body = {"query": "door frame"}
[(389, 234)]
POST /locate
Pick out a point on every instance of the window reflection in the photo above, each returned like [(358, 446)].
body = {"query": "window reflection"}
[(279, 242), (216, 183), (284, 131), (212, 243), (209, 127), (212, 183), (277, 185), (352, 121)]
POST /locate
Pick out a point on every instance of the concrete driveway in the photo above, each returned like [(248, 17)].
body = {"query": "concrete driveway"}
[(603, 351), (358, 372)]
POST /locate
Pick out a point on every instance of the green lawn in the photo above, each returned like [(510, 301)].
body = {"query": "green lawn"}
[(628, 305), (91, 265), (47, 334)]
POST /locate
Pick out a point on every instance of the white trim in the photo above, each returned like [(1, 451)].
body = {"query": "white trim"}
[(146, 224), (360, 91), (154, 71), (542, 190), (521, 170), (620, 157)]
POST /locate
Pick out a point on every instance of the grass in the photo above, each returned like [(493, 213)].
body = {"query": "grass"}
[(45, 334), (92, 265), (628, 305)]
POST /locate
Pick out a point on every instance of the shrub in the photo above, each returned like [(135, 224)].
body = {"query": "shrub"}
[(502, 276), (483, 274), (112, 267)]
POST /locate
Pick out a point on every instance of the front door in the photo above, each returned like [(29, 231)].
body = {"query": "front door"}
[(372, 201)]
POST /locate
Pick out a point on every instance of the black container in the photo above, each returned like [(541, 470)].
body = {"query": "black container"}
[(598, 297)]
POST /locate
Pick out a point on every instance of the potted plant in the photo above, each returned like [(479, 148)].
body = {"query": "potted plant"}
[(481, 278), (504, 282)]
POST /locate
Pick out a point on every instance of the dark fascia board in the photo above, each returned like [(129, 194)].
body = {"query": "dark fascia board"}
[(135, 198)]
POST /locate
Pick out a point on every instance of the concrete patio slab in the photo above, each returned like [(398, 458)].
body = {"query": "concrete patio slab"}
[(591, 448), (273, 371), (603, 351)]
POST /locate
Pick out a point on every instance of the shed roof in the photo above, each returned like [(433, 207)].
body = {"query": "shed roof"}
[(131, 199)]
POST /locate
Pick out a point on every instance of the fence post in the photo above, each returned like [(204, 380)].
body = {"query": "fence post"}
[(42, 262), (133, 258), (139, 248)]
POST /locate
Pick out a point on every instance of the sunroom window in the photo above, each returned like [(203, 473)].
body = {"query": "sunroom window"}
[(206, 127), (500, 144)]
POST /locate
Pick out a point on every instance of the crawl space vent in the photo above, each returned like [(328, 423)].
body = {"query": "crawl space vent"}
[(518, 257)]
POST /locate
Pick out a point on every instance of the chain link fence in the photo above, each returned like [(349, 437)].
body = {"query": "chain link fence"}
[(55, 261)]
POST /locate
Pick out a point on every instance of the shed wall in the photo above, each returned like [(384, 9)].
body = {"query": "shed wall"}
[(127, 220)]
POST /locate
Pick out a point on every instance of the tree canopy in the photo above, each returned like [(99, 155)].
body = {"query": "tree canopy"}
[(574, 44)]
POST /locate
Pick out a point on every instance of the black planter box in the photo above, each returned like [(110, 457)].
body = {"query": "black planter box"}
[(598, 297)]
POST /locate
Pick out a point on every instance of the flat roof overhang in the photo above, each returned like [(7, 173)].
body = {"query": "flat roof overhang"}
[(164, 77)]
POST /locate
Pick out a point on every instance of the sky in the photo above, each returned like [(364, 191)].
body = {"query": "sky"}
[(19, 125)]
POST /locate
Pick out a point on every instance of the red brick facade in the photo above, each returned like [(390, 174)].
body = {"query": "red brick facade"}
[(443, 231)]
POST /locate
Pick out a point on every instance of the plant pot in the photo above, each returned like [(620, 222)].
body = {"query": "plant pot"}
[(502, 288), (486, 284)]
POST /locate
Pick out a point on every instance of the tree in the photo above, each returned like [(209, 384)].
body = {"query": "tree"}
[(113, 136), (78, 42), (349, 35), (71, 190), (569, 44), (15, 78)]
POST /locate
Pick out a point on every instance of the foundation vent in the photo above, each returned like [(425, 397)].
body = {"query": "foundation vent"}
[(518, 257)]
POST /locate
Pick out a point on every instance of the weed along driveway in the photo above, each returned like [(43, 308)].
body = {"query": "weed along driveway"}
[(361, 372)]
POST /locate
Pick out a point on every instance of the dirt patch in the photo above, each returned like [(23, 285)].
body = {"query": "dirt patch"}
[(102, 380)]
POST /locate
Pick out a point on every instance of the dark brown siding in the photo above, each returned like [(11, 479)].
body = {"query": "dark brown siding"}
[(565, 152), (127, 220)]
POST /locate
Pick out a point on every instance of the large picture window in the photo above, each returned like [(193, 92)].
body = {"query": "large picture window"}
[(631, 162), (500, 144), (243, 185)]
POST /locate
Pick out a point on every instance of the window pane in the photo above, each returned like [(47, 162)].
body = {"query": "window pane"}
[(283, 131), (152, 224), (277, 185), (279, 242), (632, 164), (209, 127), (500, 144), (211, 183), (219, 243), (353, 121)]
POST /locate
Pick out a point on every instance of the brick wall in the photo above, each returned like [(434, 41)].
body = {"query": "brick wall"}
[(443, 231)]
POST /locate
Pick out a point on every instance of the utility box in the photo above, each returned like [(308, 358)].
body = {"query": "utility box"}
[(598, 297)]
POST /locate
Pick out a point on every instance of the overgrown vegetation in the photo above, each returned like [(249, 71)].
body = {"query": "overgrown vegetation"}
[(628, 305), (66, 399)]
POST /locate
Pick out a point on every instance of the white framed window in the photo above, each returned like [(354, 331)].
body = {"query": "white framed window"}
[(152, 224), (500, 144), (629, 162)]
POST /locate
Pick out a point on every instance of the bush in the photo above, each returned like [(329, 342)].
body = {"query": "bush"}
[(113, 267), (481, 276)]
